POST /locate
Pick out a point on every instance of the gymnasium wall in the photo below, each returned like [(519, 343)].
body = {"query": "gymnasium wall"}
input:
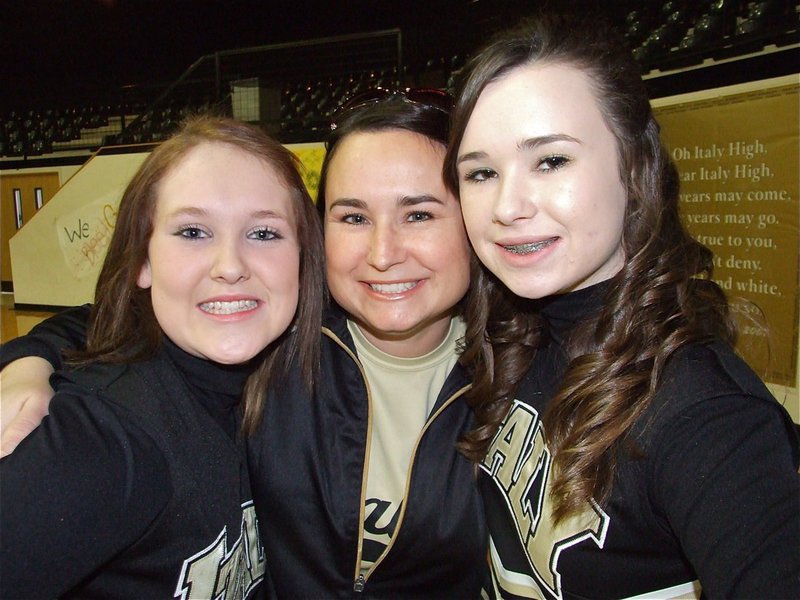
[(21, 191), (56, 256)]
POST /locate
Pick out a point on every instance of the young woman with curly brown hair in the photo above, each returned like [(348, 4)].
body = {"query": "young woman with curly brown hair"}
[(624, 449)]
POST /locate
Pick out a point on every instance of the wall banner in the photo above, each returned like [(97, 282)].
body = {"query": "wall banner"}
[(738, 158)]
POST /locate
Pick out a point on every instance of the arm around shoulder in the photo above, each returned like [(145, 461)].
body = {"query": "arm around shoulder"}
[(63, 331), (25, 395), (28, 362)]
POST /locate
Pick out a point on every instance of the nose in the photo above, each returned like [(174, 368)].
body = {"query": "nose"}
[(229, 264), (514, 201), (386, 248)]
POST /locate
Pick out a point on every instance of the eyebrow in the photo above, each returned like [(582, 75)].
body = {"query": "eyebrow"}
[(526, 144), (348, 203), (532, 143), (193, 211), (413, 200), (420, 199)]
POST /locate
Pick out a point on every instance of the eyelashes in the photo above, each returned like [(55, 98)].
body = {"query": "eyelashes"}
[(553, 162), (479, 175), (418, 216), (264, 234), (353, 218), (415, 216), (192, 232), (198, 232), (550, 163)]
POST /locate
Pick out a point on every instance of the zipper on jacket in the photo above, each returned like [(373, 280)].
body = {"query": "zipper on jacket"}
[(359, 584), (361, 580)]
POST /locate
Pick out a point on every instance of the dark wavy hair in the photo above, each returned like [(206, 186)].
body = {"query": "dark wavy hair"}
[(123, 327), (661, 300)]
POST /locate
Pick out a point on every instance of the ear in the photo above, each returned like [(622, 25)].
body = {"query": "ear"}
[(145, 279)]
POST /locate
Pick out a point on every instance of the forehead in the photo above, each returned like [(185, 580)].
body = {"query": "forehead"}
[(370, 165), (536, 99), (218, 173), (208, 159), (383, 150)]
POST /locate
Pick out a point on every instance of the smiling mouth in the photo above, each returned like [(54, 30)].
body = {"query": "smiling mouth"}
[(393, 288), (530, 248), (228, 308)]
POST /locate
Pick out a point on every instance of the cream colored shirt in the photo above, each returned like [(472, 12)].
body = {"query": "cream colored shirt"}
[(403, 392)]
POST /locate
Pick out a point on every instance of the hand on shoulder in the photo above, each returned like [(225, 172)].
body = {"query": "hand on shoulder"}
[(25, 395)]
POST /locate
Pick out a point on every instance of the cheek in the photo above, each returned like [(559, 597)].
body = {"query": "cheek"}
[(459, 272), (342, 253), (473, 218), (293, 280), (604, 225), (614, 211), (452, 247), (279, 276), (282, 267), (289, 293)]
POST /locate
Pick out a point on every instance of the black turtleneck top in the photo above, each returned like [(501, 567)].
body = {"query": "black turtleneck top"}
[(217, 387), (712, 502), (561, 313), (137, 473)]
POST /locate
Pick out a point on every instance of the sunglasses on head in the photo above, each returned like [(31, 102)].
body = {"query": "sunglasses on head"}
[(428, 97)]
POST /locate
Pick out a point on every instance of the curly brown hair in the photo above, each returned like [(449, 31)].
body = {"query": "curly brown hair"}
[(123, 327), (661, 300)]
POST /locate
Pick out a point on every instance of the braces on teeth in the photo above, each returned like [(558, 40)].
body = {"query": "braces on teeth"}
[(528, 248), (227, 308)]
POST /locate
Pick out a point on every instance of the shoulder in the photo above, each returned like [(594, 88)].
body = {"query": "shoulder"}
[(90, 462), (141, 381), (702, 371), (93, 377), (708, 392)]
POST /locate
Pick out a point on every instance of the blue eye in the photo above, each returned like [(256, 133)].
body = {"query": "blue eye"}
[(192, 232), (354, 219), (263, 234)]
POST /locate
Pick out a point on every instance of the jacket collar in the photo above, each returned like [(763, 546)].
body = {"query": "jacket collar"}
[(335, 319)]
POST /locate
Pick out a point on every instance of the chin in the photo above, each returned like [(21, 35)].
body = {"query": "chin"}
[(236, 356), (227, 360), (525, 290)]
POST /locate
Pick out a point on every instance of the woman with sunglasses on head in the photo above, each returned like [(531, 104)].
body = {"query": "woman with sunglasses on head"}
[(213, 275), (624, 449), (406, 518), (359, 487)]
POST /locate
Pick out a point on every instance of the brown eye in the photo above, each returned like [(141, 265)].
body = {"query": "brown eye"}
[(553, 163), (479, 175), (419, 215)]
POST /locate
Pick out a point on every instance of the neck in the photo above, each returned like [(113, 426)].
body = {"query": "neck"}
[(408, 344)]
